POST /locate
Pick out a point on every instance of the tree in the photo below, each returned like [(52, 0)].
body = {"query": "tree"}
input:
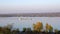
[(16, 31), (7, 29), (1, 32), (24, 29), (38, 26), (28, 29), (56, 31), (49, 28), (34, 27)]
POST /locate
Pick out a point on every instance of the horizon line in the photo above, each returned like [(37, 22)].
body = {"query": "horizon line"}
[(57, 14)]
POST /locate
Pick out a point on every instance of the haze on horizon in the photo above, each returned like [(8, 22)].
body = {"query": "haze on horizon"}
[(29, 6)]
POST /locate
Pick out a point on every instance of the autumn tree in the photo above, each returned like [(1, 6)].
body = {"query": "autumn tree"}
[(49, 28), (34, 27), (38, 26)]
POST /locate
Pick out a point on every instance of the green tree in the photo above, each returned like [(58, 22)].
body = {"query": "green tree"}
[(28, 29), (24, 29), (7, 29)]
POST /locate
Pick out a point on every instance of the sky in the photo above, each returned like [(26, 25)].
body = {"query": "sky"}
[(28, 23), (29, 6)]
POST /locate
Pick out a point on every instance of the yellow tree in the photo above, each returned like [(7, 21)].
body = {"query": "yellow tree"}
[(38, 26), (34, 25), (49, 28)]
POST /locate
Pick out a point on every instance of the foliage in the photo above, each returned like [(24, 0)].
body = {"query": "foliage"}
[(49, 28), (56, 30), (24, 29), (38, 26), (15, 31), (28, 29), (7, 29)]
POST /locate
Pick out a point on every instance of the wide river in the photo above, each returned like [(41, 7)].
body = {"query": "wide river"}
[(21, 22)]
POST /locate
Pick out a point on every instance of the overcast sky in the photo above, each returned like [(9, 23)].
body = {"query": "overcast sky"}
[(29, 6)]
